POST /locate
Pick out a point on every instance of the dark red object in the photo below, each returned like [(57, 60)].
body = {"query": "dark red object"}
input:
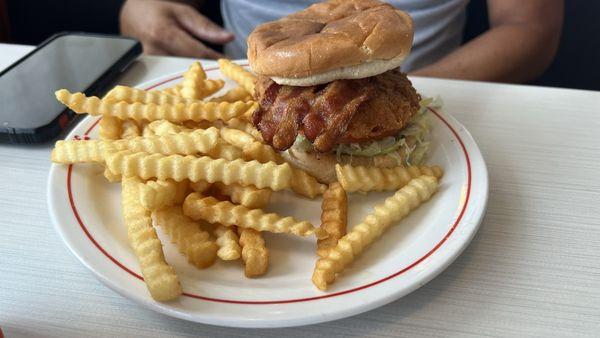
[(342, 111)]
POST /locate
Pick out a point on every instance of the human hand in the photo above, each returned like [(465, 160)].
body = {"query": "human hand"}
[(170, 28)]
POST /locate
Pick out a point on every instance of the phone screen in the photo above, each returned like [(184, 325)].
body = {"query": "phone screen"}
[(74, 62)]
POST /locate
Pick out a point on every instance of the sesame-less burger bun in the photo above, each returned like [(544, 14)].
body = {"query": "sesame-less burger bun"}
[(332, 40)]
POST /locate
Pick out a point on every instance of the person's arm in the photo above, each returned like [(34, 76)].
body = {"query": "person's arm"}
[(171, 28), (520, 44)]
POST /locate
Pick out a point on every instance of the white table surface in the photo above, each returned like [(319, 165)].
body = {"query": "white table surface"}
[(532, 270)]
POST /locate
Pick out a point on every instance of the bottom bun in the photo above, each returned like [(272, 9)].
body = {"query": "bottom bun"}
[(322, 165)]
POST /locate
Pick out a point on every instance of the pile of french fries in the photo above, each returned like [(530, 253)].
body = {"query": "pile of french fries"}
[(198, 168)]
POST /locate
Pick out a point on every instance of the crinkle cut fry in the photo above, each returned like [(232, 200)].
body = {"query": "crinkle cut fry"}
[(160, 278), (247, 127), (191, 240), (225, 151), (112, 178), (200, 186), (236, 137), (179, 168), (173, 91), (395, 208), (131, 95), (365, 179), (110, 128), (155, 195), (130, 129), (232, 95), (334, 217), (238, 74), (196, 111), (68, 152), (164, 127), (227, 240), (212, 210), (201, 89), (196, 86), (194, 74), (184, 143), (302, 183), (198, 141), (248, 196), (255, 254)]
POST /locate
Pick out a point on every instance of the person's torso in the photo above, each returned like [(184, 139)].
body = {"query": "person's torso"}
[(438, 24)]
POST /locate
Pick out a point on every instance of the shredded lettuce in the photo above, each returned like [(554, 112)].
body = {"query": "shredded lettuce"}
[(303, 143), (431, 102), (408, 147)]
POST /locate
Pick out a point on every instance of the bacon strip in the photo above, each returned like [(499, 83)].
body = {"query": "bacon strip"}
[(341, 111)]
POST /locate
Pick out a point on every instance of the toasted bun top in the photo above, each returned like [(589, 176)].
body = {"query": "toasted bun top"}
[(329, 36)]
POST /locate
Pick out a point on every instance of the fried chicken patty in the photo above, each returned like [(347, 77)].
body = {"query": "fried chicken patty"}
[(342, 111)]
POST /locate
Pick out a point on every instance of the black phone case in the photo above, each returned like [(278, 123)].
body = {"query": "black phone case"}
[(66, 117)]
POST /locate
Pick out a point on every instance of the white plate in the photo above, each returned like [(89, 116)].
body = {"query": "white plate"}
[(86, 212)]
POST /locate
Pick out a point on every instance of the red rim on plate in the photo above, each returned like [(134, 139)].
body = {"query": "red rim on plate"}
[(283, 301)]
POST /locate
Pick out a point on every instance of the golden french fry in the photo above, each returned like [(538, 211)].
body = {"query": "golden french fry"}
[(395, 208), (434, 171), (227, 240), (225, 151), (248, 196), (247, 116), (210, 209), (160, 194), (238, 138), (131, 95), (164, 127), (179, 168), (239, 124), (196, 111), (146, 132), (261, 152), (200, 186), (196, 86), (302, 182), (112, 178), (93, 151), (198, 125), (238, 74), (251, 149), (196, 71), (192, 241), (232, 95), (334, 217), (202, 141), (185, 143), (110, 128), (173, 91), (129, 129), (159, 276), (255, 254), (306, 185), (366, 179)]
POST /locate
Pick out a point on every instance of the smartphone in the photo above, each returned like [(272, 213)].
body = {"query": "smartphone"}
[(79, 62)]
